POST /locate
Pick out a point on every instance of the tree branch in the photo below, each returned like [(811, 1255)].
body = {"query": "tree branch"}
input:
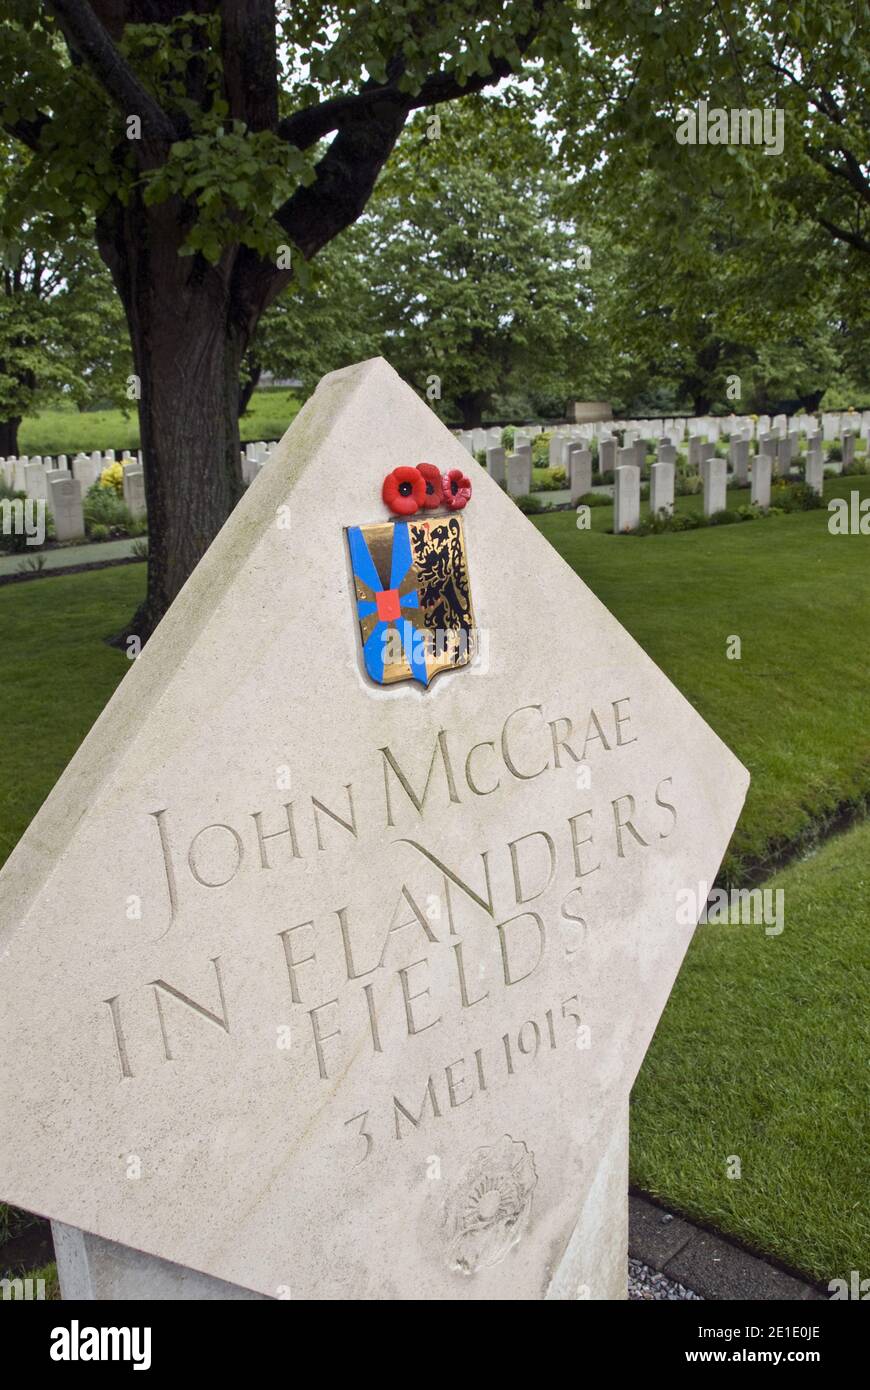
[(305, 128), (841, 234), (86, 35)]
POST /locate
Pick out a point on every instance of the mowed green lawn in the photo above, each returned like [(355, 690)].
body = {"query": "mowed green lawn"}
[(65, 430), (758, 1054), (761, 1055), (794, 707)]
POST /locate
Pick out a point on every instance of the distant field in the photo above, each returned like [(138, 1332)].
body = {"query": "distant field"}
[(65, 430)]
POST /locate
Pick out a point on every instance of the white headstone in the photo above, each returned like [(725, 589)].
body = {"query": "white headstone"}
[(606, 455), (35, 481), (739, 451), (372, 1031), (626, 498), (495, 464), (65, 500), (713, 482), (661, 488), (85, 470), (134, 490), (759, 494), (519, 474), (579, 471), (814, 473)]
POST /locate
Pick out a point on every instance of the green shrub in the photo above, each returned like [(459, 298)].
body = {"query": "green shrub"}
[(140, 549), (835, 451), (798, 497), (507, 438), (596, 499), (541, 450), (98, 532), (605, 479), (687, 486), (531, 505), (858, 466), (723, 518), (102, 507)]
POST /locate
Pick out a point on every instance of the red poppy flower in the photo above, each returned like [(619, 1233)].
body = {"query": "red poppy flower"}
[(455, 489), (404, 491), (432, 479)]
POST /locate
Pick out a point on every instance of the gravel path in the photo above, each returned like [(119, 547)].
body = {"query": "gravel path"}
[(644, 1283)]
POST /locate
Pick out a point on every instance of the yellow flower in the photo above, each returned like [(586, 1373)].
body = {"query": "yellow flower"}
[(113, 477)]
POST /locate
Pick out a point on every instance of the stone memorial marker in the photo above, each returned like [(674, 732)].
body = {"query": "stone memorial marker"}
[(759, 494), (606, 455), (35, 482), (848, 448), (713, 484), (814, 473), (661, 488), (519, 474), (666, 453), (371, 1030), (495, 464), (626, 497), (579, 471), (65, 502), (134, 489), (739, 451), (556, 458)]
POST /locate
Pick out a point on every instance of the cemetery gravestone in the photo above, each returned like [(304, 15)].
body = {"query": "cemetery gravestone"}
[(759, 494), (579, 472), (65, 500), (739, 450), (134, 490), (626, 497), (495, 464), (35, 483), (519, 474), (661, 488), (713, 475), (373, 1030), (606, 455), (814, 473), (848, 449)]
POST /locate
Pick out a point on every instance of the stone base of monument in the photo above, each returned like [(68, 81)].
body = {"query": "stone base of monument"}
[(593, 1266), (92, 1269)]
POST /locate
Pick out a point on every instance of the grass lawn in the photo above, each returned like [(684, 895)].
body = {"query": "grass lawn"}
[(65, 430), (758, 1052), (793, 708), (762, 1053)]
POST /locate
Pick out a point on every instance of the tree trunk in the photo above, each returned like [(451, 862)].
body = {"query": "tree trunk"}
[(188, 338), (471, 407), (9, 437)]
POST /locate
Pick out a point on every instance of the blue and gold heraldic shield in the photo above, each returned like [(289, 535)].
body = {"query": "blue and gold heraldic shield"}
[(413, 597)]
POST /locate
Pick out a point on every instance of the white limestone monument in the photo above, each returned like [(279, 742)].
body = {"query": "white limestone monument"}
[(328, 965)]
